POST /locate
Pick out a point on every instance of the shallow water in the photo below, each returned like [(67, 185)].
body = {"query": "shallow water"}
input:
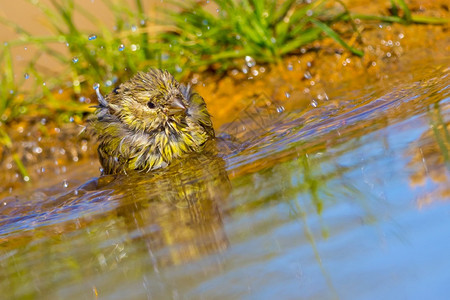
[(347, 200)]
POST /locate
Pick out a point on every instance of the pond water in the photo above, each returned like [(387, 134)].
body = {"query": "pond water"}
[(349, 199)]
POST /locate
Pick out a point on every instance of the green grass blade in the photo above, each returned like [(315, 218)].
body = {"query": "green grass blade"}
[(429, 20), (281, 12), (332, 34), (394, 8), (406, 11), (304, 38), (23, 171)]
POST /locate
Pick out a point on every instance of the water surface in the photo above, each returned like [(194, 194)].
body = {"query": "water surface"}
[(349, 199)]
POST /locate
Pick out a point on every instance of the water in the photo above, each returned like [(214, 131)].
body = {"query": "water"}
[(343, 201)]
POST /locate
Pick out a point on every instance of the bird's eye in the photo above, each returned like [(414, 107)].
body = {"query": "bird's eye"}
[(150, 104)]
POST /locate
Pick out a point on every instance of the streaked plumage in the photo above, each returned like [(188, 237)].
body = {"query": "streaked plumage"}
[(148, 121)]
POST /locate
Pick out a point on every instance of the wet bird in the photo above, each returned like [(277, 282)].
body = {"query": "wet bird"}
[(148, 121)]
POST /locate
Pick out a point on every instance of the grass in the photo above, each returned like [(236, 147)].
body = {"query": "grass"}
[(188, 38), (263, 30)]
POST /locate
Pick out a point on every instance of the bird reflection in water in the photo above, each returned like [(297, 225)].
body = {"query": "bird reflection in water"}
[(175, 212)]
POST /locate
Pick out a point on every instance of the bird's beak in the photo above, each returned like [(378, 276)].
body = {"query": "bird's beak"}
[(176, 107)]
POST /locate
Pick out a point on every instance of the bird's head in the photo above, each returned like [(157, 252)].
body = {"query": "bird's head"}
[(149, 101)]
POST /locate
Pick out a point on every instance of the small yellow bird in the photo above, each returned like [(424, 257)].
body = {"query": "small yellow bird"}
[(148, 121)]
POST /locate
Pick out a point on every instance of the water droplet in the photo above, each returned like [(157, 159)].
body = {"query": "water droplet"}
[(65, 183), (133, 28), (178, 69), (121, 47), (287, 94), (37, 150), (92, 37), (250, 61), (60, 91), (134, 47), (280, 109), (96, 85), (307, 75), (142, 22), (75, 59), (290, 67), (313, 103), (26, 178), (26, 75)]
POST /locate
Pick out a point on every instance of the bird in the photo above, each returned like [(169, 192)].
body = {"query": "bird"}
[(149, 121)]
